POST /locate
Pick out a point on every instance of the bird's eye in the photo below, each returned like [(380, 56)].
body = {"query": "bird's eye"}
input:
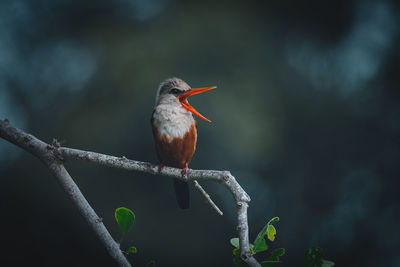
[(175, 91)]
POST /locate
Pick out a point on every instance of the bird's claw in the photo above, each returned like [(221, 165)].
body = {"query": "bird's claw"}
[(184, 171)]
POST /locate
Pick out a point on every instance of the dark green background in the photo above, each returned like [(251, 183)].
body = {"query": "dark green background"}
[(306, 116)]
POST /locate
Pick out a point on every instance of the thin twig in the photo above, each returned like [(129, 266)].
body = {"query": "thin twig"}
[(207, 197), (53, 156)]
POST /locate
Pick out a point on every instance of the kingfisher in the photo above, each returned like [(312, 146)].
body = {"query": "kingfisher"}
[(174, 130)]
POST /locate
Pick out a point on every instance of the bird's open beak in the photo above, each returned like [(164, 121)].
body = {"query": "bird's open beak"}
[(193, 91)]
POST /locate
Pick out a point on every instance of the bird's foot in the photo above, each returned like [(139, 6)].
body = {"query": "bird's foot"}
[(160, 167), (184, 170)]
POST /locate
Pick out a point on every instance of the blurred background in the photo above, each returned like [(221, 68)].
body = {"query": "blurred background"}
[(306, 117)]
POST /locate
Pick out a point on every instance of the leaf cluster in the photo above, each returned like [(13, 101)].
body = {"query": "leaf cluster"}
[(125, 219), (260, 245)]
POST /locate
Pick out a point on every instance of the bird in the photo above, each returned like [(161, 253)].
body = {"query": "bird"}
[(174, 130)]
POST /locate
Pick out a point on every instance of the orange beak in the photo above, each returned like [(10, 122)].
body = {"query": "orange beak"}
[(193, 91)]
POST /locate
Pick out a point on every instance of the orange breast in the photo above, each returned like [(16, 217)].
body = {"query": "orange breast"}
[(178, 151)]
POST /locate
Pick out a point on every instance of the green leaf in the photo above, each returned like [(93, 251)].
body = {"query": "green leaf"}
[(235, 242), (278, 252), (132, 249), (260, 245), (271, 232), (251, 247), (237, 260), (125, 219), (273, 220), (314, 257), (275, 254), (259, 242)]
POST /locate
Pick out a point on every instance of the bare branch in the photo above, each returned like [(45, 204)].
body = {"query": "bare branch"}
[(54, 156), (94, 221), (48, 155), (207, 197)]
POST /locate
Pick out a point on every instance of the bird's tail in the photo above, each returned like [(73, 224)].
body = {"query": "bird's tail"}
[(182, 193)]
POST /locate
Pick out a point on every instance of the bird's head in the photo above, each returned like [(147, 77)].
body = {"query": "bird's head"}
[(175, 91)]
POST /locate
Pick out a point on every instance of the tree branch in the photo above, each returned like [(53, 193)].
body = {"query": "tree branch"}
[(48, 154), (54, 156)]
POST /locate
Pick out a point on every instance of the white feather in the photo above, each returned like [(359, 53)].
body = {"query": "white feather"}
[(171, 119)]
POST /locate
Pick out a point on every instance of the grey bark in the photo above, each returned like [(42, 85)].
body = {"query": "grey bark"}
[(51, 158), (54, 156)]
